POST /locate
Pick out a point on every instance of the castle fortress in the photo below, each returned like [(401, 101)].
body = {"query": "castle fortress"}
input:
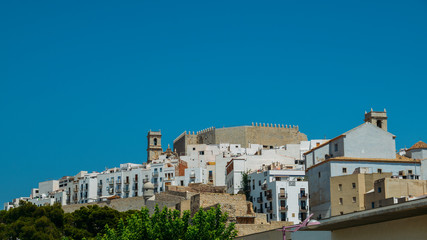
[(268, 135)]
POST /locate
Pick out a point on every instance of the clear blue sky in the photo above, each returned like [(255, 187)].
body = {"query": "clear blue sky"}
[(82, 83)]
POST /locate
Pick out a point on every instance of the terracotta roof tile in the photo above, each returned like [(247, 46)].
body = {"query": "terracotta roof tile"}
[(418, 145)]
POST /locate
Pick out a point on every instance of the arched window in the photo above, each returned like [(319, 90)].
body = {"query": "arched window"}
[(379, 123), (155, 141)]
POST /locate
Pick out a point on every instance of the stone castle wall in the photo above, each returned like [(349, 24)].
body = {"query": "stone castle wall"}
[(264, 134)]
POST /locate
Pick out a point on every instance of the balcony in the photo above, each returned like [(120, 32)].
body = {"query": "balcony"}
[(118, 190), (126, 189), (155, 174), (303, 208), (135, 187), (145, 180), (76, 188), (111, 191), (270, 210), (283, 208), (111, 182), (302, 195), (126, 182), (283, 195), (119, 180), (269, 196), (259, 200), (192, 175), (135, 179), (264, 186)]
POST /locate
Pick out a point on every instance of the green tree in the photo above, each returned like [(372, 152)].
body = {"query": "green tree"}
[(169, 224), (246, 185)]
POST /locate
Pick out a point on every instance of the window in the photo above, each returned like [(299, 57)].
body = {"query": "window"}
[(155, 141), (160, 169), (373, 204), (336, 147), (379, 170), (319, 174), (354, 199), (340, 201), (353, 185), (341, 213), (339, 187), (201, 152), (409, 172), (259, 183), (379, 189), (344, 170), (379, 123)]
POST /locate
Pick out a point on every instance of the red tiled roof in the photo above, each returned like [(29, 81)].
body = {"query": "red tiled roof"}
[(418, 145)]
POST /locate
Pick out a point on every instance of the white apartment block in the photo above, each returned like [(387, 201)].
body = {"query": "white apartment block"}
[(280, 193), (126, 181)]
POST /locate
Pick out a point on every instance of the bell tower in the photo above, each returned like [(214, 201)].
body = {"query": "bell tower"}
[(378, 119), (154, 145)]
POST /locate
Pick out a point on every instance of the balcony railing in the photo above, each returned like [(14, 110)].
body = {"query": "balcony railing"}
[(111, 182), (259, 200), (269, 209), (119, 180), (135, 187), (118, 190), (283, 208), (269, 197), (302, 195), (303, 208), (145, 180), (264, 186), (155, 174), (283, 195), (135, 179)]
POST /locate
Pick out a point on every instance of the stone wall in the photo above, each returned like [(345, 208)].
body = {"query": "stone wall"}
[(235, 205), (197, 187), (267, 135), (121, 205)]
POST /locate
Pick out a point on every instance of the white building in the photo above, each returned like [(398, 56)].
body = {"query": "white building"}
[(280, 193), (126, 181)]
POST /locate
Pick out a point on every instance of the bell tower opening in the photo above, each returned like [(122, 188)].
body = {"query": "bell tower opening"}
[(378, 119), (154, 145)]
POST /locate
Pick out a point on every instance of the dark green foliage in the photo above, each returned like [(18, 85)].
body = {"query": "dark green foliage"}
[(49, 222), (31, 222), (246, 185), (169, 224), (93, 222)]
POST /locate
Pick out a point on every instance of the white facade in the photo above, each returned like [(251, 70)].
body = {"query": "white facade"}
[(195, 175), (281, 194), (126, 181), (235, 169)]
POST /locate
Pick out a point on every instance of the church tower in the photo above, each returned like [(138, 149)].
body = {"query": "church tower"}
[(378, 119), (154, 145)]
